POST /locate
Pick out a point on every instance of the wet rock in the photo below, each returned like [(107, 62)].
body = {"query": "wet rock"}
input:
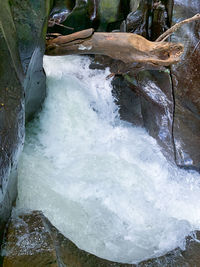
[(30, 18), (61, 10), (32, 241), (23, 27), (186, 80), (102, 15), (149, 18), (78, 15), (11, 112), (138, 20), (159, 19), (128, 100), (112, 13), (134, 4), (154, 89), (28, 242)]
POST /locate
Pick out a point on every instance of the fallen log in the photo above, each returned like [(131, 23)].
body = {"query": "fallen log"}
[(127, 47)]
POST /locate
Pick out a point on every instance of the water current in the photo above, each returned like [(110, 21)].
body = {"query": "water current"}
[(102, 182)]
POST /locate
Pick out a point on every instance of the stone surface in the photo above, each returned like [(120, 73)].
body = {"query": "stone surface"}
[(102, 15), (186, 84), (11, 112), (30, 18), (28, 242), (182, 127), (79, 15), (23, 27), (112, 13), (157, 107), (31, 241), (128, 100)]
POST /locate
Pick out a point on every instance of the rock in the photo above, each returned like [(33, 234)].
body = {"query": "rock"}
[(23, 27), (28, 242), (186, 80), (138, 20), (31, 241), (30, 18), (134, 4), (78, 17), (112, 13), (157, 107), (159, 20), (128, 100), (102, 15), (11, 112)]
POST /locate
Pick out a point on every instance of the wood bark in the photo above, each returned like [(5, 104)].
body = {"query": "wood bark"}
[(127, 47)]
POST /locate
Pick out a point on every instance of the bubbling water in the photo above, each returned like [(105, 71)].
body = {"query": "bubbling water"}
[(102, 182)]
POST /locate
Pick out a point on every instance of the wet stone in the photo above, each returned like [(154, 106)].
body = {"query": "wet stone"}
[(28, 242), (30, 18), (32, 241), (11, 112), (186, 80)]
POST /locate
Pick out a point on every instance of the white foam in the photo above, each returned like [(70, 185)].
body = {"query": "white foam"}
[(101, 182)]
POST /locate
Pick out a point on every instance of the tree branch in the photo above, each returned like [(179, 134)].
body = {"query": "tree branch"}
[(174, 28)]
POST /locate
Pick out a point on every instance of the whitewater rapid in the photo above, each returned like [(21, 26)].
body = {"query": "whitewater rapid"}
[(102, 182)]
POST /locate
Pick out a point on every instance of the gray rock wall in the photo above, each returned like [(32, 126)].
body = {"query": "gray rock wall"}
[(11, 111), (186, 85), (23, 26)]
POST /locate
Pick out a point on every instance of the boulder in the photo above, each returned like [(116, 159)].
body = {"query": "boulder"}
[(78, 15), (186, 87), (32, 241), (128, 100), (102, 15), (11, 112), (157, 106), (23, 27), (29, 242), (152, 90), (112, 13), (30, 18)]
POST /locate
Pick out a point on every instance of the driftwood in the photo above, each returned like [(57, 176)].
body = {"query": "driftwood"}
[(127, 47), (174, 28)]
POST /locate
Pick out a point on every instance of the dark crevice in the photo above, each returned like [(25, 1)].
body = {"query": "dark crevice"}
[(173, 93), (173, 116)]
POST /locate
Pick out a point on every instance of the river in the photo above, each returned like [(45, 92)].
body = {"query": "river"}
[(102, 182)]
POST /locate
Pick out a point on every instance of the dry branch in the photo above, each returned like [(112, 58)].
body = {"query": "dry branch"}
[(174, 28), (127, 47)]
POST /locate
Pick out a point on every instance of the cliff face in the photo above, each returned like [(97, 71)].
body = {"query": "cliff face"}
[(22, 85), (186, 86), (11, 111)]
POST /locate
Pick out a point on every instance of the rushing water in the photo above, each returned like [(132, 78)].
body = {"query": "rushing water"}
[(102, 182)]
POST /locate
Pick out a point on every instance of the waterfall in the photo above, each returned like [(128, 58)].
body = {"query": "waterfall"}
[(102, 182)]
